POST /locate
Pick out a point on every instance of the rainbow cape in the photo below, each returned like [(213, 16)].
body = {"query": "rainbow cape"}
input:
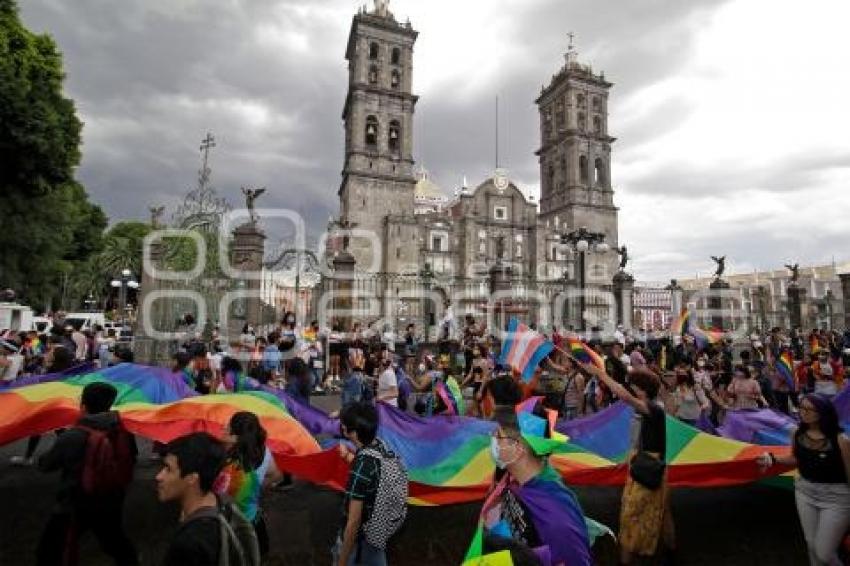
[(523, 349), (555, 513)]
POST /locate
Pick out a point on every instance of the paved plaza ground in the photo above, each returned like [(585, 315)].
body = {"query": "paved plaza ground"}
[(729, 526)]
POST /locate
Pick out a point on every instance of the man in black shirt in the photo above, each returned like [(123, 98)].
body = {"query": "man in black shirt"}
[(190, 466), (79, 509)]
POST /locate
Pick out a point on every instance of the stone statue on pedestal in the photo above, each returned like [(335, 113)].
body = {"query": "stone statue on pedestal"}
[(250, 197), (795, 272), (623, 252), (721, 265)]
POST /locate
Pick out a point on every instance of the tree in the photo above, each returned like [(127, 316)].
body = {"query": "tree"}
[(49, 225), (122, 249)]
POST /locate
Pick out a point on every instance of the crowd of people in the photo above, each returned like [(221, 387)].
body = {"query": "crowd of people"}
[(218, 482)]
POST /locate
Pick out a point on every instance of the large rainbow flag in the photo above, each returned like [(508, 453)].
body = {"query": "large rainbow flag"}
[(152, 402), (447, 457)]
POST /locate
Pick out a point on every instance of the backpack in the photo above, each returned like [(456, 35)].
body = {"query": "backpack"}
[(239, 543), (390, 507), (108, 461)]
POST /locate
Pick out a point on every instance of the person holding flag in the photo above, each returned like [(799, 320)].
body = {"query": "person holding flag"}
[(645, 515)]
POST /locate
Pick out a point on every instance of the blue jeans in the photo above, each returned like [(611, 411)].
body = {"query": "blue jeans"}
[(369, 555)]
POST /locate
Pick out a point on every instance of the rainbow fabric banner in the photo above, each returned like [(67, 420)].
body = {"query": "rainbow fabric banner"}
[(523, 349), (584, 353), (152, 402), (694, 458), (447, 457)]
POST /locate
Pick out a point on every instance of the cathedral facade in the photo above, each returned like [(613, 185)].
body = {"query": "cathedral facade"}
[(410, 240)]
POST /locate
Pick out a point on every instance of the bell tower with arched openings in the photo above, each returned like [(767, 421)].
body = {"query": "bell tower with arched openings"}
[(377, 177), (575, 151)]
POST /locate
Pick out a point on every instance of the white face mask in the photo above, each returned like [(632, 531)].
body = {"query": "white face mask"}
[(496, 456)]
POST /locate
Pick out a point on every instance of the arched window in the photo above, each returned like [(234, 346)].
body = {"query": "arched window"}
[(559, 115), (371, 131), (395, 79), (551, 178), (582, 169), (582, 121), (599, 175), (580, 100), (597, 124), (596, 103), (373, 74), (396, 56), (562, 162), (373, 50), (394, 136)]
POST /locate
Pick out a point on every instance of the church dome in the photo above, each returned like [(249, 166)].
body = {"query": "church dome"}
[(428, 189)]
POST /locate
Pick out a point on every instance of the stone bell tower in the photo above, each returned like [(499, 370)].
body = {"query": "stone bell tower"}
[(575, 151), (377, 176)]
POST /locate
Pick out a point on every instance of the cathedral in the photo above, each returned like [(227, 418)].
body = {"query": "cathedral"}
[(408, 238)]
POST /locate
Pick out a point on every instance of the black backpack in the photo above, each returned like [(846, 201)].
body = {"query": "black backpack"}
[(239, 543)]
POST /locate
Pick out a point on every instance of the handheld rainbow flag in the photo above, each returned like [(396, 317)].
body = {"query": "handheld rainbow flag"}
[(584, 353), (681, 323), (814, 344), (705, 338), (785, 367), (523, 349)]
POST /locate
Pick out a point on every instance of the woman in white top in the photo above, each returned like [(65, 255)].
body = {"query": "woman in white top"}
[(388, 384)]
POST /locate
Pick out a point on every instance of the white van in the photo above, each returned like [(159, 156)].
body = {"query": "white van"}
[(84, 320), (15, 317)]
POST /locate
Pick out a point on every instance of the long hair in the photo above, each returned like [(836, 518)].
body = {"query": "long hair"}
[(827, 417), (250, 447)]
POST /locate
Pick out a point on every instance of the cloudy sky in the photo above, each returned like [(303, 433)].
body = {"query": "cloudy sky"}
[(731, 116)]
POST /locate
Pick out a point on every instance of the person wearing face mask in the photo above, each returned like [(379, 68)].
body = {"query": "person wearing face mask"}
[(529, 502), (688, 397), (825, 382)]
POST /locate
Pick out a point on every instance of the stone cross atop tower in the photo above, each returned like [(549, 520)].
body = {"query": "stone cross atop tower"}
[(382, 8)]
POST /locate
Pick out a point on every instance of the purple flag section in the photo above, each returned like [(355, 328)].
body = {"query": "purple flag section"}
[(842, 405), (44, 378), (557, 517), (763, 426)]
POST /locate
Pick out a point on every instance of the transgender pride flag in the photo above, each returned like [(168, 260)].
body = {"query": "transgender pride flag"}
[(523, 349)]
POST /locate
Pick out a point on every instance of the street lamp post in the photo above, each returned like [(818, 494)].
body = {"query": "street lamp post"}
[(90, 302), (125, 282), (427, 275), (581, 240)]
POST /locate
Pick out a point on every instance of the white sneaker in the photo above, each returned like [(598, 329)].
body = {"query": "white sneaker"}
[(21, 461)]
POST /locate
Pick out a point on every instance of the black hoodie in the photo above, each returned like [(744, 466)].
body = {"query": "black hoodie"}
[(68, 454)]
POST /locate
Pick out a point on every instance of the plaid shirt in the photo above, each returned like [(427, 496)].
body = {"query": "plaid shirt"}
[(362, 485)]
